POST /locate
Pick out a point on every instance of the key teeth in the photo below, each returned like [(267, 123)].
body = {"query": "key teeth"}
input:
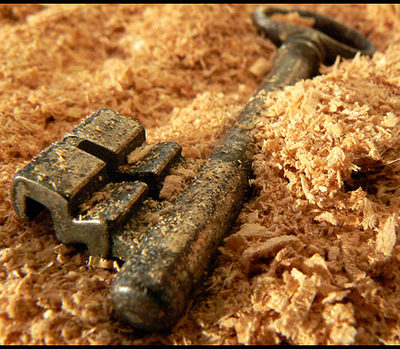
[(113, 203), (84, 164), (153, 166), (107, 135)]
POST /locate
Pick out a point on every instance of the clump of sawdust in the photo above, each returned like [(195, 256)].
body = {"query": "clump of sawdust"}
[(313, 256), (312, 137)]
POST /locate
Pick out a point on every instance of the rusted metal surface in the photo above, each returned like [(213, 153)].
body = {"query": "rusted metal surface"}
[(101, 184), (86, 183), (333, 38), (153, 287)]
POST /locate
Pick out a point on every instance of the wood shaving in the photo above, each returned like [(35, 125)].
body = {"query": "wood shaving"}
[(260, 67), (172, 185)]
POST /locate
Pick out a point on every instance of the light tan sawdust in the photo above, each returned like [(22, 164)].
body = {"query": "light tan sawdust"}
[(312, 258)]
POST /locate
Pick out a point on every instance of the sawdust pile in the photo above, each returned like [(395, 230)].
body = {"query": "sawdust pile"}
[(312, 258)]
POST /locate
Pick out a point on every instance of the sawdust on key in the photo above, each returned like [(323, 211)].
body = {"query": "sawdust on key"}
[(313, 256)]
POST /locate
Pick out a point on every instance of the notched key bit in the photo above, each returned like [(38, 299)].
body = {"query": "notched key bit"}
[(108, 136), (86, 182)]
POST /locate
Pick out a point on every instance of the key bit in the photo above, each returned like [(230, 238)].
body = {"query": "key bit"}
[(86, 182), (101, 183)]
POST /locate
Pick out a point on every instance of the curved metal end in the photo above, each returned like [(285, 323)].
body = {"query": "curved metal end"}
[(142, 302), (334, 37), (144, 314)]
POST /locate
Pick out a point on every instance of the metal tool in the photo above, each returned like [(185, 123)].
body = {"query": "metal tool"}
[(96, 196)]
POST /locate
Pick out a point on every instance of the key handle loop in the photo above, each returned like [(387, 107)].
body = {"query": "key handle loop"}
[(333, 38)]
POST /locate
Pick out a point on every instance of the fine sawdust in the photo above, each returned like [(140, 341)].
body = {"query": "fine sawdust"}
[(312, 258)]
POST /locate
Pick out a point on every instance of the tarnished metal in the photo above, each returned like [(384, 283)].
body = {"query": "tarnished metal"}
[(152, 288), (101, 183), (332, 38), (86, 182)]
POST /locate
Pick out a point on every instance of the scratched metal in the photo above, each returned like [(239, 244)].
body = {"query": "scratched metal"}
[(153, 287), (79, 181)]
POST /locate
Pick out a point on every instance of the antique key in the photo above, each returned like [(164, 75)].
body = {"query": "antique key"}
[(96, 196)]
